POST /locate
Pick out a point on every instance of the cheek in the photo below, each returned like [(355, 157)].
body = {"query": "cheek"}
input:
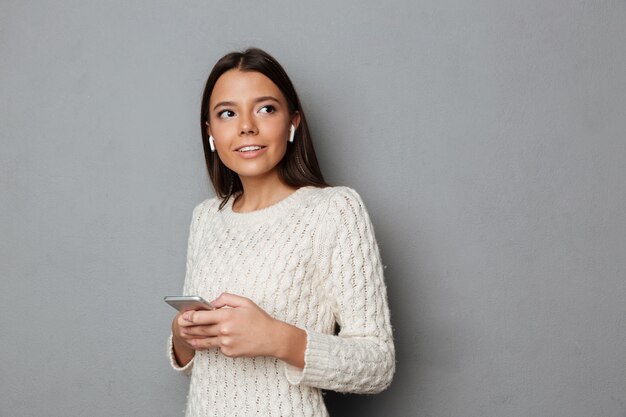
[(217, 130), (278, 132), (221, 137)]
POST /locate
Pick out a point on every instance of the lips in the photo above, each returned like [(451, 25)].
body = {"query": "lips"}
[(249, 148), (250, 151)]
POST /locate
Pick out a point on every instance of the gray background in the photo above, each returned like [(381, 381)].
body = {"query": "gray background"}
[(487, 139)]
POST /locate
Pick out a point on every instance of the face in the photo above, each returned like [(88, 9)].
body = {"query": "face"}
[(249, 120)]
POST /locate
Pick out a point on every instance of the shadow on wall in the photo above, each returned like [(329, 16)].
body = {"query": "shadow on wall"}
[(344, 405)]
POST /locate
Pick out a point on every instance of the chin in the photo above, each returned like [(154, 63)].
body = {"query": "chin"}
[(256, 173)]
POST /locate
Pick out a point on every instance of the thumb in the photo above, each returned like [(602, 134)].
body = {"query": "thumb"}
[(230, 300)]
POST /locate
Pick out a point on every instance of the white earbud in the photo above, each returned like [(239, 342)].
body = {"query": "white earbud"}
[(211, 140), (292, 132)]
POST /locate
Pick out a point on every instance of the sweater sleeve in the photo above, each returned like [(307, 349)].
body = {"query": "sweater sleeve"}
[(361, 358), (188, 287)]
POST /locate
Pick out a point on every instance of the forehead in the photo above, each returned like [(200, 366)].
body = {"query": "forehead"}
[(236, 85)]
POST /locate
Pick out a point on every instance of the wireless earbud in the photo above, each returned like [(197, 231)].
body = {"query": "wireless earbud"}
[(292, 132)]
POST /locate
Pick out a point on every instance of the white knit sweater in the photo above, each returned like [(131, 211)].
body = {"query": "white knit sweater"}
[(310, 260)]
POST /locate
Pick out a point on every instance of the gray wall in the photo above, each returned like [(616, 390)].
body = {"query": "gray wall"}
[(486, 137)]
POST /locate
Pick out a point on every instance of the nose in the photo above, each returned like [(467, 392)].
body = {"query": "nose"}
[(248, 127)]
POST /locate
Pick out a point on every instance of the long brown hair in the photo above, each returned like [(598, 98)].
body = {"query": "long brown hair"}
[(299, 166)]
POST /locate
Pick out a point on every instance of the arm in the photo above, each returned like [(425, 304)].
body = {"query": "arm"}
[(179, 352), (362, 357)]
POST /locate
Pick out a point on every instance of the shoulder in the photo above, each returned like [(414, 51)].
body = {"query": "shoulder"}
[(346, 195), (337, 196), (346, 222), (330, 200), (344, 198), (206, 206), (341, 205)]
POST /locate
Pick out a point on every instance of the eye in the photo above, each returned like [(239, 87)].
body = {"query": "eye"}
[(226, 114), (267, 109)]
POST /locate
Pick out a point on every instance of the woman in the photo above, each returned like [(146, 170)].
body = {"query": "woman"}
[(284, 257)]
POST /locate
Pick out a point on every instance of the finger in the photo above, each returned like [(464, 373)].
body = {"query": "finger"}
[(188, 318), (204, 331), (204, 343), (184, 319), (202, 317), (229, 351), (230, 300)]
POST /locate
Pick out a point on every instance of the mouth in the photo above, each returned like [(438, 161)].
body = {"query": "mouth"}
[(249, 148)]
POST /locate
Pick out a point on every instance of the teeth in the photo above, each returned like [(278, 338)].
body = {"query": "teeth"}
[(249, 148)]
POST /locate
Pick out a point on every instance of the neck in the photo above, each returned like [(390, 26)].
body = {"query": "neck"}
[(261, 193)]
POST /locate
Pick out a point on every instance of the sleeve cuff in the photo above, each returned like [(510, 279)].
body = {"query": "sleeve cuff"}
[(170, 353), (315, 361)]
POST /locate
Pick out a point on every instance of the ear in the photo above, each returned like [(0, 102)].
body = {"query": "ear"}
[(208, 128), (295, 119)]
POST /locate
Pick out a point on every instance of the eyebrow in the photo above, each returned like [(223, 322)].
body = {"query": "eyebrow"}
[(256, 100)]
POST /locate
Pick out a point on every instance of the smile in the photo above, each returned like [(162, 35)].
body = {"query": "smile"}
[(250, 148)]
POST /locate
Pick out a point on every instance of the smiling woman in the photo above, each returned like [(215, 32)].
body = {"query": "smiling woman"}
[(249, 121), (284, 257), (255, 68)]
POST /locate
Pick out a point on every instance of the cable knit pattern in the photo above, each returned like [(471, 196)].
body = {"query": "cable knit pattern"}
[(310, 260)]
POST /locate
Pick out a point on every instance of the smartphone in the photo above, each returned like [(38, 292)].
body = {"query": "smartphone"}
[(187, 302)]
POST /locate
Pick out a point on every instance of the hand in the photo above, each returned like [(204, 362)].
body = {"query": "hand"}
[(183, 350), (238, 327)]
